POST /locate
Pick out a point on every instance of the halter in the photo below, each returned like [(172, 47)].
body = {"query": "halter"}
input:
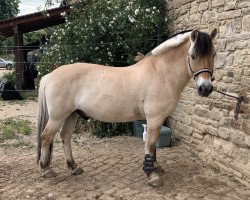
[(199, 71)]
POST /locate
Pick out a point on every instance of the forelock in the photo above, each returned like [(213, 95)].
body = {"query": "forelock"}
[(203, 45)]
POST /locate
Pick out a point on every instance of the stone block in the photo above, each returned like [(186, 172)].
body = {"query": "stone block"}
[(231, 46), (224, 168), (246, 23), (216, 3), (246, 52), (203, 6), (221, 45), (229, 148), (246, 59), (195, 18), (247, 141), (238, 174), (208, 140), (238, 166), (238, 58), (245, 11), (198, 135), (242, 45), (230, 5), (237, 137), (230, 59), (223, 133), (243, 155), (215, 114), (220, 59), (225, 121), (193, 8), (212, 130), (208, 150), (243, 4), (217, 143), (238, 74), (231, 14)]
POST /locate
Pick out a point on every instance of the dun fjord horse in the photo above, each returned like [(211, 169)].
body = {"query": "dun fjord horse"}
[(149, 89)]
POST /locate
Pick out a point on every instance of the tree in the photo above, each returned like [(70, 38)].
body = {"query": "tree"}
[(8, 8)]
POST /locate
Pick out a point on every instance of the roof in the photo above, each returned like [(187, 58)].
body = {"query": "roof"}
[(34, 21)]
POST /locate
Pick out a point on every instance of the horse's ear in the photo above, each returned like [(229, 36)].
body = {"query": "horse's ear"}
[(139, 57), (213, 33), (194, 35)]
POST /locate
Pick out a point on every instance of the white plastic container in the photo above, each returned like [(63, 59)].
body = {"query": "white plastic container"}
[(144, 135)]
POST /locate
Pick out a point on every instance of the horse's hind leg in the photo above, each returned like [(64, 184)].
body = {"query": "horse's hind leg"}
[(46, 148), (66, 135)]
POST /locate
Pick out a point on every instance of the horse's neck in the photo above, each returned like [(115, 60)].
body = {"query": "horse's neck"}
[(175, 67)]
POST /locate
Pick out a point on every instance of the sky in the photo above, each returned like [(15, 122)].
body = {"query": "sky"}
[(30, 6)]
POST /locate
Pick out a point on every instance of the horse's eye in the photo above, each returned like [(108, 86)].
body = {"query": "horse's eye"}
[(192, 56)]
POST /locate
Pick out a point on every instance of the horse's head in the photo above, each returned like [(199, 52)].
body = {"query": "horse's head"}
[(201, 60)]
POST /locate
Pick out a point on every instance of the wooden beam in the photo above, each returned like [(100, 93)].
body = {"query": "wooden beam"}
[(19, 57)]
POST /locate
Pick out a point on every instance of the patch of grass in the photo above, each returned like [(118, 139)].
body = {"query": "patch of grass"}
[(17, 144), (7, 133), (29, 95), (21, 143), (11, 128), (25, 127)]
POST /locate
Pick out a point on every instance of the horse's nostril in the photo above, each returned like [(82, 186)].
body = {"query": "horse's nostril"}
[(205, 90), (201, 89)]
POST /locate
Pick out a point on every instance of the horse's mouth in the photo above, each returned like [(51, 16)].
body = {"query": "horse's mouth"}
[(204, 93), (205, 90)]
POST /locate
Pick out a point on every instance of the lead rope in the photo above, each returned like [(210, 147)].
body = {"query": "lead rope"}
[(239, 99)]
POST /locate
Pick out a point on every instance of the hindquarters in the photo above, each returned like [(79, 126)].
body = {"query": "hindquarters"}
[(52, 112)]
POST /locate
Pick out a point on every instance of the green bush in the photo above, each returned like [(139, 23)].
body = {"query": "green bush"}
[(10, 76), (101, 129), (108, 32)]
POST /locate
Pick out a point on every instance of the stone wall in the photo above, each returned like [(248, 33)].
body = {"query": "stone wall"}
[(207, 125)]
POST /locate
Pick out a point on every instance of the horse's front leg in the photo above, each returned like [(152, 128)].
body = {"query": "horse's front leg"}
[(153, 130)]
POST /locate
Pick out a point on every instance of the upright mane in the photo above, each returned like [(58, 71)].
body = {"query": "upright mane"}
[(203, 45), (174, 41)]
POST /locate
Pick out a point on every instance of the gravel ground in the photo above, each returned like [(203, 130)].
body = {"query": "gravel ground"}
[(113, 170)]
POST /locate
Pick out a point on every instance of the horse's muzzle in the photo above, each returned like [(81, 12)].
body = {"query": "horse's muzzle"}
[(205, 90)]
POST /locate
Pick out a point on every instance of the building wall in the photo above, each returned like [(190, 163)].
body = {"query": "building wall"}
[(207, 125)]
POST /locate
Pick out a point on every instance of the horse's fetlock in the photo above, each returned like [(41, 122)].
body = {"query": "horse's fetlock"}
[(148, 164), (71, 164)]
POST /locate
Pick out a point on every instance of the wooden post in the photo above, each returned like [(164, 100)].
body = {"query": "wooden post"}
[(19, 58)]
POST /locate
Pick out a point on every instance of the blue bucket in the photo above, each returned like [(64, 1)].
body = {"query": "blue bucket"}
[(164, 139)]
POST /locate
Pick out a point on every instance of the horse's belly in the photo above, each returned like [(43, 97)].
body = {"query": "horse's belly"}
[(111, 110)]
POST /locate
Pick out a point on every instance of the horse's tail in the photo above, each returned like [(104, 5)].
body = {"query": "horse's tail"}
[(139, 56), (43, 116)]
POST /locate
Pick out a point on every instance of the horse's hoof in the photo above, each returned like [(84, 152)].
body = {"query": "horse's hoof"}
[(154, 180), (49, 173), (77, 170)]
